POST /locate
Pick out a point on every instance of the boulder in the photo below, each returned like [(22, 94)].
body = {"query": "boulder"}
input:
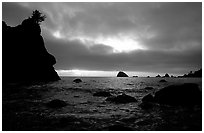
[(102, 94), (163, 81), (56, 103), (148, 98), (77, 80), (148, 88), (146, 105), (122, 74), (121, 99), (147, 102), (186, 94)]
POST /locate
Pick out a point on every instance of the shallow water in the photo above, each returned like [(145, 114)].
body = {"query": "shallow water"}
[(26, 105)]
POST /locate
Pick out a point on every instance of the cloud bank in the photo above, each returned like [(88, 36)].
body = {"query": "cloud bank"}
[(145, 37)]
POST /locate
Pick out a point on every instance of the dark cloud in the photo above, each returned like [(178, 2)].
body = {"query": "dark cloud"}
[(175, 26), (75, 55), (171, 34)]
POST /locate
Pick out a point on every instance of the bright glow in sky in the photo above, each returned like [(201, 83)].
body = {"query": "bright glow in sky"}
[(120, 44), (89, 73)]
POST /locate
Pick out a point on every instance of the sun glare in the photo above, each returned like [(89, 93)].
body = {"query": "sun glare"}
[(57, 34), (92, 73), (124, 44), (118, 43)]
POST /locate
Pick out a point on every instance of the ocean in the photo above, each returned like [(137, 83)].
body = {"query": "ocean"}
[(25, 108)]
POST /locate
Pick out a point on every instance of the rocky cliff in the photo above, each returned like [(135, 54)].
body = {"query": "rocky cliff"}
[(24, 55)]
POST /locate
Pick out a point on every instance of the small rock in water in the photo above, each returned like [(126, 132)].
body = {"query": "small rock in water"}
[(163, 80), (148, 88), (77, 80), (102, 94), (121, 99), (56, 103), (130, 84)]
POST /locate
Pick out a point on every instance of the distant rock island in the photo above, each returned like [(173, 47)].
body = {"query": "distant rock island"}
[(25, 57), (122, 74)]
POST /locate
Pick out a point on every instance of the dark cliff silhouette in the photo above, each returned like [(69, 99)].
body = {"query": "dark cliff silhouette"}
[(25, 57), (193, 74)]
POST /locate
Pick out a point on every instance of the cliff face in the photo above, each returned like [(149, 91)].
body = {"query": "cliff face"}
[(24, 55)]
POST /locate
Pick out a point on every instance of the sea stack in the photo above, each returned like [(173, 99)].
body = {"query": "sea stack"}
[(25, 58), (122, 74)]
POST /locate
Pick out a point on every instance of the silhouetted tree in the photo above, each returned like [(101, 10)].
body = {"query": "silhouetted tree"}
[(37, 17)]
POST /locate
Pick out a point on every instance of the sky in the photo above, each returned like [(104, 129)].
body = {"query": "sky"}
[(100, 39)]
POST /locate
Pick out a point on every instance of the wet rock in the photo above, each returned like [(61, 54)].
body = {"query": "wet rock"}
[(56, 103), (147, 102), (185, 94), (119, 128), (148, 88), (146, 105), (162, 81), (148, 98), (122, 74), (77, 80), (121, 99), (102, 94), (130, 83)]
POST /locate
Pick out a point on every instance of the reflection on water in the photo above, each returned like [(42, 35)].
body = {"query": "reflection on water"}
[(87, 112)]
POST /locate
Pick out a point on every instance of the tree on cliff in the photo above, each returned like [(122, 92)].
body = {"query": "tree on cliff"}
[(37, 17), (25, 56)]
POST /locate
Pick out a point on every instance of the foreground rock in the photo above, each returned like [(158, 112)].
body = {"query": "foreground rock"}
[(148, 88), (56, 103), (102, 94), (147, 102), (121, 99), (25, 56), (77, 80), (148, 98), (122, 74), (187, 94)]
